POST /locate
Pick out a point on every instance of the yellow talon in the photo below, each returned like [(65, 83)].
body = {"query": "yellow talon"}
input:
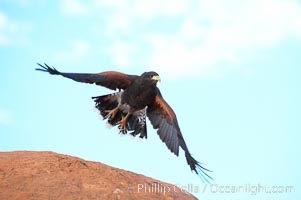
[(123, 122), (112, 112)]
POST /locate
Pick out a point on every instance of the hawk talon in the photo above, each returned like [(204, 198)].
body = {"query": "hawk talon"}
[(112, 113), (122, 127), (123, 122), (121, 130)]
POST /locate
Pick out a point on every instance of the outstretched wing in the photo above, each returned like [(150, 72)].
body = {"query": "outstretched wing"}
[(164, 119), (108, 79)]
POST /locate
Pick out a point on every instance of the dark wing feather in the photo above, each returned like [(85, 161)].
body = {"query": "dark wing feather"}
[(108, 79), (164, 119)]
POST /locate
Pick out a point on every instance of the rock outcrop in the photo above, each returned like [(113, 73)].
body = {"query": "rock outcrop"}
[(47, 175)]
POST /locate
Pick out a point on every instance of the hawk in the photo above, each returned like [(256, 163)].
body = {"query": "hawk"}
[(136, 98)]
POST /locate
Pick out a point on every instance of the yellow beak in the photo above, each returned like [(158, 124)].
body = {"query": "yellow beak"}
[(156, 78)]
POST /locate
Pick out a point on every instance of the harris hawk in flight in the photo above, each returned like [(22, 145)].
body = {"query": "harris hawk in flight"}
[(136, 98)]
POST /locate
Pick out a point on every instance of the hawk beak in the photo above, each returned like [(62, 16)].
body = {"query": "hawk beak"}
[(156, 78)]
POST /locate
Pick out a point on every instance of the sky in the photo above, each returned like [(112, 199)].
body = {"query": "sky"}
[(230, 70)]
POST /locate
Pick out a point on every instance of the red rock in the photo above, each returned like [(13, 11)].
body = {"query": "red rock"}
[(46, 175)]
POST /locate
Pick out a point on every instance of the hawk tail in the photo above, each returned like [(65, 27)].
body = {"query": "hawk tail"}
[(135, 123)]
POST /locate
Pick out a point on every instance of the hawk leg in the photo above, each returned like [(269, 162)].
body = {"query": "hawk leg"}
[(123, 122), (112, 113)]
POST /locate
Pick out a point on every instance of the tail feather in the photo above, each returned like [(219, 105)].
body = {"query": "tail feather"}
[(134, 125), (109, 102), (198, 168)]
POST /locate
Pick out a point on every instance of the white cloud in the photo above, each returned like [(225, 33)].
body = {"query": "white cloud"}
[(118, 23), (74, 7), (174, 57), (3, 26), (79, 50), (6, 117), (122, 53), (145, 9), (24, 3), (210, 33), (12, 32), (112, 3), (3, 20), (18, 2), (150, 9)]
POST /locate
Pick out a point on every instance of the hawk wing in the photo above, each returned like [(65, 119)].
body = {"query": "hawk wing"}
[(164, 119), (109, 79)]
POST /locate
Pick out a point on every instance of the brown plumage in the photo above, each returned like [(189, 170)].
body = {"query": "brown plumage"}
[(138, 97)]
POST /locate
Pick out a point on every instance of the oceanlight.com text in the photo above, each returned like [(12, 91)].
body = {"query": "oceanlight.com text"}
[(252, 189)]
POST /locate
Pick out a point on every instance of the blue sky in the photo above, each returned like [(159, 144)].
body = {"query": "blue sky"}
[(230, 69)]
